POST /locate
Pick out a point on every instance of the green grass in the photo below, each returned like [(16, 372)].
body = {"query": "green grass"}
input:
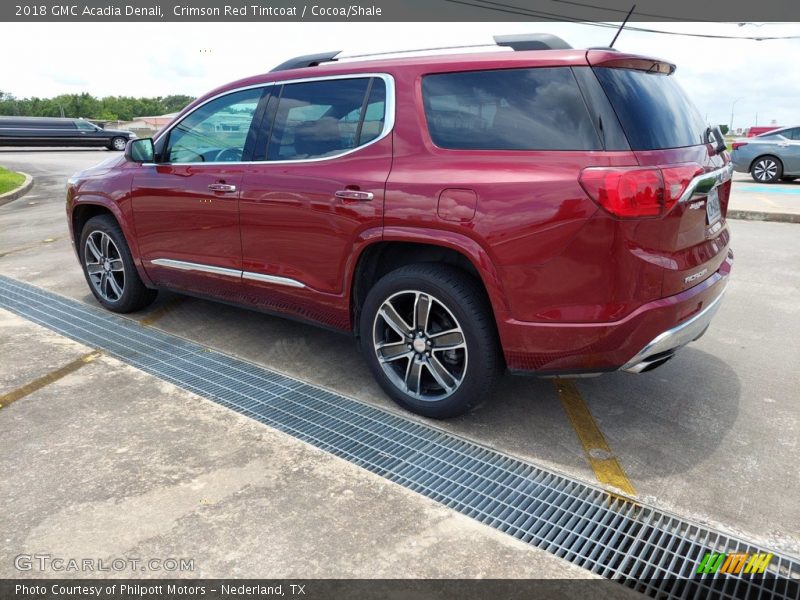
[(9, 180)]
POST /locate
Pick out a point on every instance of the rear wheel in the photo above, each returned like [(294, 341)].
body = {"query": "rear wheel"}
[(108, 267), (429, 338), (767, 169)]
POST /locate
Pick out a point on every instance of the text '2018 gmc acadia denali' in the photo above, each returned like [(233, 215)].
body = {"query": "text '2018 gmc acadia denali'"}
[(555, 211)]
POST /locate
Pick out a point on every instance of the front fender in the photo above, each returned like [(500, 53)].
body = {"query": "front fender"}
[(121, 212)]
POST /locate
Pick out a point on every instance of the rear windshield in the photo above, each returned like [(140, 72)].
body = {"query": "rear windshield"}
[(653, 109), (512, 109)]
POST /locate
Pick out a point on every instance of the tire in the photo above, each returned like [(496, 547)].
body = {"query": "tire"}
[(766, 169), (118, 144), (434, 383), (113, 280)]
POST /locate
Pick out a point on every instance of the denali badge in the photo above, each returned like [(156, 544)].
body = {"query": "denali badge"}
[(694, 276)]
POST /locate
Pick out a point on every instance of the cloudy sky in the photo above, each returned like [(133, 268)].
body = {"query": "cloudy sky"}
[(45, 59)]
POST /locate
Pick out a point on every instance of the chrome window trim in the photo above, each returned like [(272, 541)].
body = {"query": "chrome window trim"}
[(183, 265), (388, 118)]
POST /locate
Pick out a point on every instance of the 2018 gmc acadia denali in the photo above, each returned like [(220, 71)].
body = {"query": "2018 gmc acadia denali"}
[(555, 211)]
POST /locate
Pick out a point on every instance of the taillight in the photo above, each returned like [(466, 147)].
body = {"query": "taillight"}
[(736, 145), (637, 192)]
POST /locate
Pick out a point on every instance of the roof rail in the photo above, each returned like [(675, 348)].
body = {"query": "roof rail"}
[(522, 41), (532, 41), (308, 60)]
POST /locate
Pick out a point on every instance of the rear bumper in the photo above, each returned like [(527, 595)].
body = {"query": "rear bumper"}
[(644, 339), (663, 346)]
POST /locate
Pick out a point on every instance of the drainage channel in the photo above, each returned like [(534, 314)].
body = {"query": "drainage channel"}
[(646, 549)]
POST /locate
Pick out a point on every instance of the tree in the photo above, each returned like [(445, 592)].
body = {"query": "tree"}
[(84, 105)]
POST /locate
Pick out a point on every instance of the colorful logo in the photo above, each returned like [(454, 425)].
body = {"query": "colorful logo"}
[(735, 563)]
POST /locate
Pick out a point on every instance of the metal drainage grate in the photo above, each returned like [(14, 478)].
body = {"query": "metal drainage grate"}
[(644, 548)]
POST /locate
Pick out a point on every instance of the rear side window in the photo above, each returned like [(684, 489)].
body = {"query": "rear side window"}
[(318, 119), (791, 134), (511, 109), (653, 110)]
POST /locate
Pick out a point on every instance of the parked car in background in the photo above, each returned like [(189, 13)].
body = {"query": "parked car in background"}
[(756, 130), (769, 157), (550, 211), (52, 131)]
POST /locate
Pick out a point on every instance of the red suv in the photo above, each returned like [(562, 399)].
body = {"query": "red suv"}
[(552, 211)]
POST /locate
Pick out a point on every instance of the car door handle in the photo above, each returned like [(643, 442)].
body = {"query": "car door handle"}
[(356, 195), (221, 187)]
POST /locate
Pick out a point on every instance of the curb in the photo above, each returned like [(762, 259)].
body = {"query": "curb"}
[(20, 191), (757, 215)]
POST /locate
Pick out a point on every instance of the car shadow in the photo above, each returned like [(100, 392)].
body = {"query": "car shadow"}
[(661, 422)]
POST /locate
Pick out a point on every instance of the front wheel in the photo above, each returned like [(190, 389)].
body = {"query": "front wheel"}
[(118, 143), (767, 169), (108, 267), (429, 338)]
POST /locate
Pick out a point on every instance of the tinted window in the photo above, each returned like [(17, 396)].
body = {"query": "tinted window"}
[(653, 109), (215, 132), (514, 109), (324, 118), (792, 134), (84, 126)]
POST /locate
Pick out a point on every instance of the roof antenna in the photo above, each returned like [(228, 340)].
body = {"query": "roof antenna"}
[(628, 16)]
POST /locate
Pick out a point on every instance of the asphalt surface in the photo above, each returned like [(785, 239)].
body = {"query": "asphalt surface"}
[(712, 435)]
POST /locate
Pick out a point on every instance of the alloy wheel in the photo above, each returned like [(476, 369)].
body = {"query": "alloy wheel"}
[(766, 169), (104, 266), (119, 144), (420, 345)]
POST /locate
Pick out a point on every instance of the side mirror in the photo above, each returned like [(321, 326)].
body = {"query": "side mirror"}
[(140, 150)]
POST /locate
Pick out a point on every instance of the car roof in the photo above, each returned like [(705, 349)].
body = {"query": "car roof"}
[(443, 63)]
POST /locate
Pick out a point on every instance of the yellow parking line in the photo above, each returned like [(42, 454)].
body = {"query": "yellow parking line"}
[(41, 382), (162, 311), (605, 465)]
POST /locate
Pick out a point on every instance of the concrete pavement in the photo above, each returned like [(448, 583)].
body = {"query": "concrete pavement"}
[(709, 435)]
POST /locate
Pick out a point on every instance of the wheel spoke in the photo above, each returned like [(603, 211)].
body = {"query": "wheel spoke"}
[(394, 320), (393, 351), (94, 268), (442, 376), (117, 266), (413, 376), (92, 246), (447, 340), (422, 310), (114, 286)]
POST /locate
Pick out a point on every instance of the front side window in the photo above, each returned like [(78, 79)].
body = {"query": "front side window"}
[(510, 109), (85, 126), (215, 132), (318, 119)]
